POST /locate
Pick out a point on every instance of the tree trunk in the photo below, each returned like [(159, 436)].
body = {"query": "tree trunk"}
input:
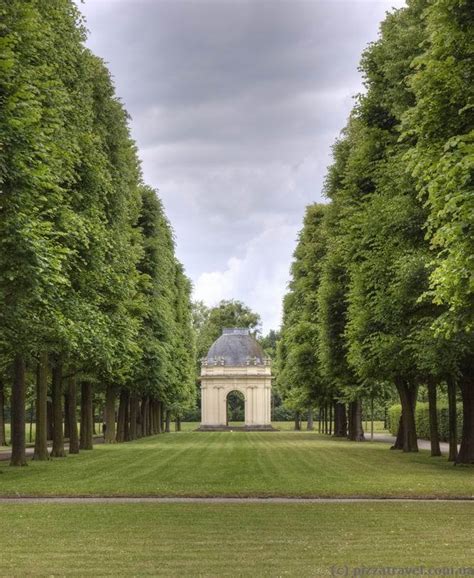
[(109, 410), (41, 437), (297, 421), (133, 417), (356, 431), (126, 425), (330, 418), (150, 418), (67, 429), (177, 424), (160, 419), (144, 416), (408, 401), (398, 445), (72, 411), (49, 419), (149, 424), (466, 450), (310, 423), (57, 399), (453, 420), (433, 411), (3, 435), (372, 419), (153, 417), (86, 435), (121, 416), (18, 456), (320, 417), (340, 420), (119, 436), (139, 420), (168, 421), (160, 416)]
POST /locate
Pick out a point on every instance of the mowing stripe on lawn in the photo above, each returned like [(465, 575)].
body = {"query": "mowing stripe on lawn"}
[(219, 500)]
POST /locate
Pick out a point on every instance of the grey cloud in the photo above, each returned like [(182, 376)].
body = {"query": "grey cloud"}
[(250, 122), (235, 106), (198, 52)]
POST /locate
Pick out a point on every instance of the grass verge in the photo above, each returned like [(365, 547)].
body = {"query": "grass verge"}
[(232, 540)]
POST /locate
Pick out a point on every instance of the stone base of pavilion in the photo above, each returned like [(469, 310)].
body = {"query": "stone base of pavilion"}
[(236, 428)]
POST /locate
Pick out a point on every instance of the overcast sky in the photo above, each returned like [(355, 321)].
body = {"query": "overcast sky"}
[(235, 106)]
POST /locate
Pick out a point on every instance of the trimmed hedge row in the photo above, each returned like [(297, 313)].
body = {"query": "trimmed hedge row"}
[(422, 417)]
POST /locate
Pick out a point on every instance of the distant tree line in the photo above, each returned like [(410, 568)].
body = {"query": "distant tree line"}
[(382, 283), (93, 299)]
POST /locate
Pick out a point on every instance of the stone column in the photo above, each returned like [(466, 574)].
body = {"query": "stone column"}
[(253, 416), (268, 405), (221, 406), (248, 405), (203, 405)]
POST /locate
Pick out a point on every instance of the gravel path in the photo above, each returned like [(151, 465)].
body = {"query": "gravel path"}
[(422, 444), (222, 500)]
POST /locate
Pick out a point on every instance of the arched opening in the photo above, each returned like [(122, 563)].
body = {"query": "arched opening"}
[(235, 407)]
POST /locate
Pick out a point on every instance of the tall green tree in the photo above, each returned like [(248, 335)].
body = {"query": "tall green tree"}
[(333, 303), (82, 282), (299, 377), (40, 52), (165, 373), (382, 230), (439, 128)]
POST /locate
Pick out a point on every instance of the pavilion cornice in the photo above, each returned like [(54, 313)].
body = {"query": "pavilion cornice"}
[(224, 377)]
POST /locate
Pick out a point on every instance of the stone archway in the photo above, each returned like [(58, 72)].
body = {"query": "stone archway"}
[(236, 362), (236, 407), (257, 396)]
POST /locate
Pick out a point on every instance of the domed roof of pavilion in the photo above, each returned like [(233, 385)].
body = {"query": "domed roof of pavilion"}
[(235, 347)]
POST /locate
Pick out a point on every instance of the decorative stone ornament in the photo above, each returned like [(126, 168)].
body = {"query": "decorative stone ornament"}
[(236, 362)]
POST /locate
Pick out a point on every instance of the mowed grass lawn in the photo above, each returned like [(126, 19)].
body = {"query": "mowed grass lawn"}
[(188, 426), (280, 463), (290, 426), (231, 539)]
